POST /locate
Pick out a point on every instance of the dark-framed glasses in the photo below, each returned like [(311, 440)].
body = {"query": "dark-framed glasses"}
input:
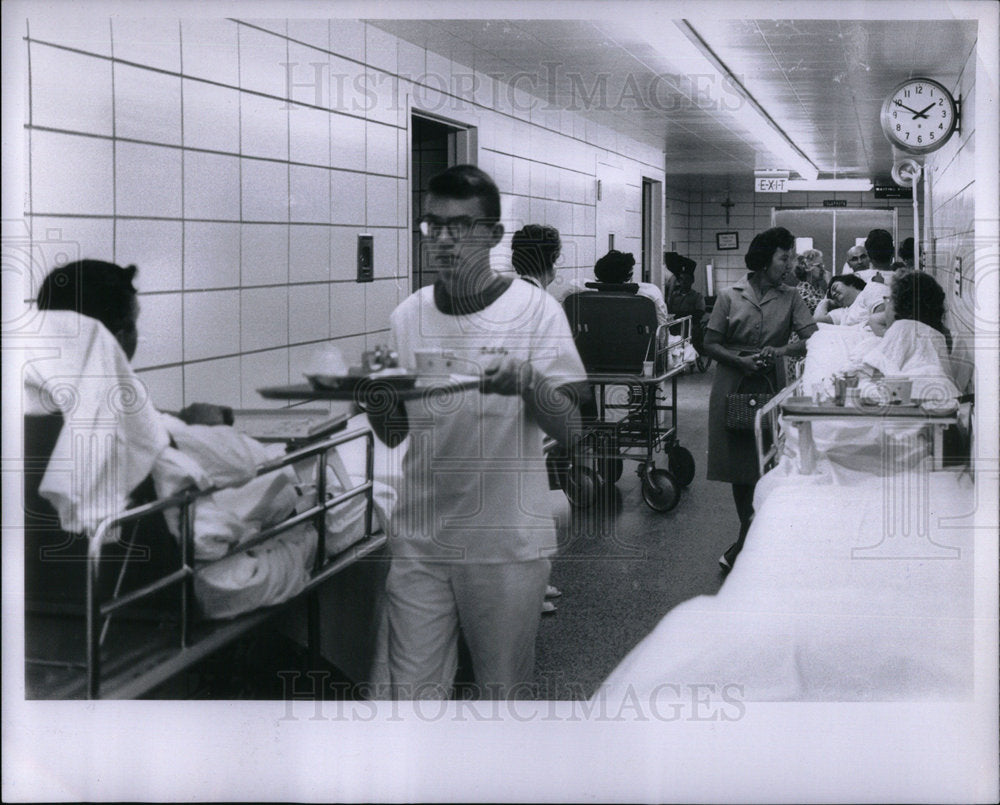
[(458, 227)]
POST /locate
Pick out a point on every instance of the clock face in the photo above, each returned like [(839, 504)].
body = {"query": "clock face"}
[(919, 116)]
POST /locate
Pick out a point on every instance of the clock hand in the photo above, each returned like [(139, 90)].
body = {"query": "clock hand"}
[(922, 112), (907, 108)]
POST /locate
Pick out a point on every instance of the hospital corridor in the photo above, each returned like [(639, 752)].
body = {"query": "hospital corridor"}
[(456, 382)]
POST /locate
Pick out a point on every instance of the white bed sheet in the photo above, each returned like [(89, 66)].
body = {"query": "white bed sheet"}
[(859, 590)]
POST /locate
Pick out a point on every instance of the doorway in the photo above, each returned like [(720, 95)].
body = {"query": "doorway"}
[(834, 231), (651, 244), (435, 144)]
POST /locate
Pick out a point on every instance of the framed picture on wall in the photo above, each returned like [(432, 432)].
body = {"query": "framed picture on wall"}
[(726, 241)]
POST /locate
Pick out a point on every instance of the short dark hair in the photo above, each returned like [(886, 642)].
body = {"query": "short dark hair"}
[(534, 249), (615, 266), (917, 295), (102, 291), (906, 249), (764, 245), (851, 280), (468, 181), (879, 246)]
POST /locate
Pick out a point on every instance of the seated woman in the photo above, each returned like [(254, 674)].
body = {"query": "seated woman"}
[(615, 268), (534, 250), (852, 302)]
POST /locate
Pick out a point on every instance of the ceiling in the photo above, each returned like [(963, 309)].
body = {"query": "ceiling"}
[(673, 83)]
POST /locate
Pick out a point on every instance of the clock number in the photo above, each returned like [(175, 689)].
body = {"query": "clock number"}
[(944, 113), (941, 126), (920, 89), (898, 127), (940, 101), (906, 93), (920, 139), (931, 135), (907, 135)]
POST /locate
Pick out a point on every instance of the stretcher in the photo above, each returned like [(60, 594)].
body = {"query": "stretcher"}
[(122, 639)]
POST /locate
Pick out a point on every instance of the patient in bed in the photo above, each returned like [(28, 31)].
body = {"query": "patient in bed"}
[(111, 427)]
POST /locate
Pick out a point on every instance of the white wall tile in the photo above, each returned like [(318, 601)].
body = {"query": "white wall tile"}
[(87, 32), (410, 59), (343, 252), (347, 37), (57, 241), (70, 91), (382, 201), (211, 186), (165, 387), (211, 324), (380, 301), (211, 116), (264, 126), (155, 247), (262, 62), (309, 135), (347, 142), (309, 254), (311, 31), (259, 370), (380, 49), (211, 255), (209, 49), (381, 149), (147, 180), (347, 308), (213, 382), (386, 260), (147, 105), (265, 254), (265, 190), (263, 318), (309, 197), (160, 323), (71, 174), (153, 41), (308, 74), (347, 199), (308, 313)]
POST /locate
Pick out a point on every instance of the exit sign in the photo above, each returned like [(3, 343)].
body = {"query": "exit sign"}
[(770, 184)]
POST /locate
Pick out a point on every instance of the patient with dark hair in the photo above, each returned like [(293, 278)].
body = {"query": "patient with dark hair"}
[(534, 250), (105, 291), (616, 267)]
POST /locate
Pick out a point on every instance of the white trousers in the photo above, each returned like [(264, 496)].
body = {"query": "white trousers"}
[(497, 607)]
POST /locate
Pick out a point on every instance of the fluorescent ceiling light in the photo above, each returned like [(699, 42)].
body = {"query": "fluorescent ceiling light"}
[(831, 185)]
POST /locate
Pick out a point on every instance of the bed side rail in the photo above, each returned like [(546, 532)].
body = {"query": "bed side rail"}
[(767, 422), (323, 566)]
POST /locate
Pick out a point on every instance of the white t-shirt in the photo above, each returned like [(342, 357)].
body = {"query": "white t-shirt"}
[(474, 484), (863, 306)]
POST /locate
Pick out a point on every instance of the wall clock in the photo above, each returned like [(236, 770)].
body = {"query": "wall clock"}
[(919, 116)]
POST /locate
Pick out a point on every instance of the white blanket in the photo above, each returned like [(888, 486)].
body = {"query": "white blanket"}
[(111, 433), (843, 593)]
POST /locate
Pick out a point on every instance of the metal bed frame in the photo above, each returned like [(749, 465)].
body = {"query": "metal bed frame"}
[(137, 669)]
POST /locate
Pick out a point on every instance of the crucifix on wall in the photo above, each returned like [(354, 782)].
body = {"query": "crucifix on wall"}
[(728, 205)]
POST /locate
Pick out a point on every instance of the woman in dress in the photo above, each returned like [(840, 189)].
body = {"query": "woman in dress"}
[(749, 329)]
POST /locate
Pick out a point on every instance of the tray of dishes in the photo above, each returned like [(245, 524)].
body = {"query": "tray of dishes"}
[(394, 378)]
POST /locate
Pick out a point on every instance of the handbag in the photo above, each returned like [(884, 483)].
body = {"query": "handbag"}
[(742, 406)]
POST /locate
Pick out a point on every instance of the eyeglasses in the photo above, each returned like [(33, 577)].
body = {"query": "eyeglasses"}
[(458, 227)]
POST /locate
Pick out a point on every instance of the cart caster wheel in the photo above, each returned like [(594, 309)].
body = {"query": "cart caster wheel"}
[(583, 487), (660, 491), (680, 462)]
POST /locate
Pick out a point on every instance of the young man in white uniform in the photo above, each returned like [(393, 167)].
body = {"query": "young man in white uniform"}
[(473, 529)]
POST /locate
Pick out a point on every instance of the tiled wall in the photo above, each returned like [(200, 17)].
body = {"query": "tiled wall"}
[(173, 145), (950, 222), (695, 215)]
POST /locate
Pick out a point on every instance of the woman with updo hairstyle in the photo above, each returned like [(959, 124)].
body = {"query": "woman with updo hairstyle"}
[(748, 330), (534, 250), (915, 295), (811, 278)]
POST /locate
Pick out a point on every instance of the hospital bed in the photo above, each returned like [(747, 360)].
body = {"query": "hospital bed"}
[(629, 359), (127, 617), (855, 582)]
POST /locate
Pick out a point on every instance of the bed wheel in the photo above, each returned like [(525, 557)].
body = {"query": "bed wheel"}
[(660, 490), (680, 462), (583, 487)]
